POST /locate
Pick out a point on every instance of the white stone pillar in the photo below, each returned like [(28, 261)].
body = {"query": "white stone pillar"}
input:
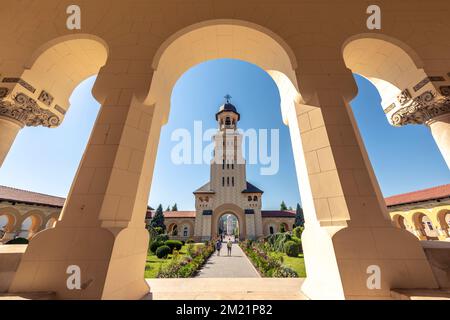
[(8, 132), (440, 129)]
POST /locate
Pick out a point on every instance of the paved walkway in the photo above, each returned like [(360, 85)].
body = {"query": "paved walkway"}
[(235, 266)]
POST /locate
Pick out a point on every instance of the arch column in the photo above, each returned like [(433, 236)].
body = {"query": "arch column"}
[(18, 109), (348, 228), (102, 225), (426, 101)]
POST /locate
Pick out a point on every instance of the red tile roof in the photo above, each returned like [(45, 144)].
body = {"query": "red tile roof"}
[(173, 214), (438, 192), (23, 196), (277, 214)]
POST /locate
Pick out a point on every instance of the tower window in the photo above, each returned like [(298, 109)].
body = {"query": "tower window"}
[(228, 166), (228, 121), (232, 181), (255, 198), (223, 181), (228, 181), (249, 198)]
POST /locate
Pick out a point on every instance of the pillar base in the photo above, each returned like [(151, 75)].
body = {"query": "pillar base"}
[(111, 263), (337, 261)]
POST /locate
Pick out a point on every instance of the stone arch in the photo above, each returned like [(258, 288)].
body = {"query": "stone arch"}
[(390, 65), (190, 226), (172, 229), (73, 58), (399, 221), (37, 218), (216, 39), (13, 216), (232, 209), (285, 225), (424, 226), (443, 218), (268, 225), (51, 220)]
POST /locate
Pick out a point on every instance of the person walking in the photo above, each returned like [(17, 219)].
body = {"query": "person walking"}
[(229, 246), (218, 246)]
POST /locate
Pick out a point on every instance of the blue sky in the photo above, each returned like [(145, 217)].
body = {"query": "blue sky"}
[(43, 160)]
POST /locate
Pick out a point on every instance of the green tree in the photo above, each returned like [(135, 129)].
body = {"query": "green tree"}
[(168, 208), (158, 219), (283, 206), (175, 208), (299, 218)]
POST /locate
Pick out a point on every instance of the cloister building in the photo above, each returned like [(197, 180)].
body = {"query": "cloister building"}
[(425, 213)]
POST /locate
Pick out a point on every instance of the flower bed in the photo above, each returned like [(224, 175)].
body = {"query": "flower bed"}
[(269, 263), (185, 266)]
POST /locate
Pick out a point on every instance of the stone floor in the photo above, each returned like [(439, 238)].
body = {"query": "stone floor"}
[(226, 289), (223, 266)]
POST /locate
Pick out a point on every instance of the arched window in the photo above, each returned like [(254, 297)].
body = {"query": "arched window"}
[(255, 198), (223, 181), (228, 181), (228, 166), (271, 230), (228, 121), (249, 198), (185, 231), (232, 166), (232, 181)]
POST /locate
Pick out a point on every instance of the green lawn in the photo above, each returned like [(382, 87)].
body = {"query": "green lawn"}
[(298, 264), (153, 262)]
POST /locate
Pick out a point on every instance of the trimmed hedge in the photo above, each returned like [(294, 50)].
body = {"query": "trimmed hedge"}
[(174, 245), (291, 248), (18, 241), (162, 238), (297, 232), (163, 251), (155, 245)]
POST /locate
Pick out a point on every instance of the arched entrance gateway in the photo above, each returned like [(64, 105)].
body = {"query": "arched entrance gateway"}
[(146, 49)]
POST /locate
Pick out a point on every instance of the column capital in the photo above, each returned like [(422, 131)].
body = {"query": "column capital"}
[(26, 111), (423, 108)]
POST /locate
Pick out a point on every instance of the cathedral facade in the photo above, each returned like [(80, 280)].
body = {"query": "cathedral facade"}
[(228, 191)]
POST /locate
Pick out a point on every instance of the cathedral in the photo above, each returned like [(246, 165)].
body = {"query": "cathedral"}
[(228, 191), (227, 194)]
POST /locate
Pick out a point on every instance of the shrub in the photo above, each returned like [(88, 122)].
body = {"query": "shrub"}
[(162, 237), (291, 248), (278, 240), (284, 272), (299, 242), (163, 252), (297, 232), (174, 245), (183, 242), (18, 241), (155, 245), (190, 241)]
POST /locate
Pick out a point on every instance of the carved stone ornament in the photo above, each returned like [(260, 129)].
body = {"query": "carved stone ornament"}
[(25, 110), (422, 109)]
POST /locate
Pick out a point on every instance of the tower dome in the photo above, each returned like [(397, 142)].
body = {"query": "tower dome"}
[(227, 107)]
